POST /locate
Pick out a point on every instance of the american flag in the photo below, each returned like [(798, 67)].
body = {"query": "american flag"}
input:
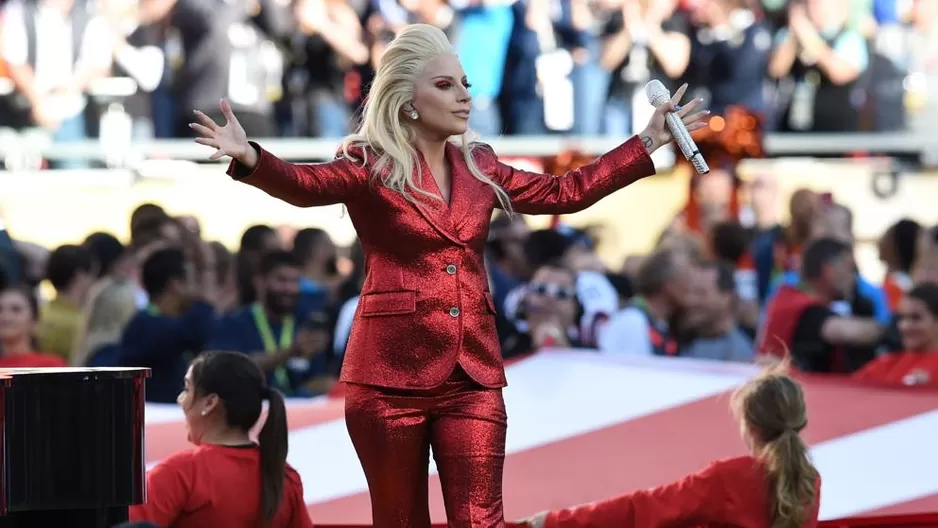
[(584, 426)]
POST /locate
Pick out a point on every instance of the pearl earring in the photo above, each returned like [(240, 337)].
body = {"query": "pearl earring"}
[(414, 115), (204, 413)]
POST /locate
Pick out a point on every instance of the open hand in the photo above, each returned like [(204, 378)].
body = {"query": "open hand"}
[(229, 140), (657, 134)]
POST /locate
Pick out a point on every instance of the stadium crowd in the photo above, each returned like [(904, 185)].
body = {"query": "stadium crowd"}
[(712, 290), (302, 67)]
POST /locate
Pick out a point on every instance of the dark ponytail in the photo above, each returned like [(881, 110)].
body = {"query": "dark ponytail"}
[(273, 447), (242, 387)]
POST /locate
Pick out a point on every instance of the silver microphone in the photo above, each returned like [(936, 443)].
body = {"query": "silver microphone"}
[(659, 95)]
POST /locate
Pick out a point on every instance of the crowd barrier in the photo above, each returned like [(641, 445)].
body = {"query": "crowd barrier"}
[(906, 144)]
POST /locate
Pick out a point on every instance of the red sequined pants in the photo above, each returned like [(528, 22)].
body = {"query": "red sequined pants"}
[(392, 431)]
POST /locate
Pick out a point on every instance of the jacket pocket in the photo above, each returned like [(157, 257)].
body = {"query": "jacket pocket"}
[(388, 303)]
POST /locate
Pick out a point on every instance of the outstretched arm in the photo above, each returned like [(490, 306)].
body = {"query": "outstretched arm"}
[(337, 181), (532, 193), (302, 185), (696, 498)]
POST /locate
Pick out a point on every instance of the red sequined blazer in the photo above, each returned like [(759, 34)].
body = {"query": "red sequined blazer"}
[(425, 305)]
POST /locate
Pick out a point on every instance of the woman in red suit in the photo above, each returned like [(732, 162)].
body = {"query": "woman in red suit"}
[(228, 480), (775, 487), (423, 365)]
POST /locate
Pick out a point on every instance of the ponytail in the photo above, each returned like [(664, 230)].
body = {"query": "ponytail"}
[(793, 478), (273, 451)]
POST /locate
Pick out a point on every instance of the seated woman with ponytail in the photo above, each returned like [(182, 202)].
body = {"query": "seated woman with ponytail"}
[(227, 480), (774, 487)]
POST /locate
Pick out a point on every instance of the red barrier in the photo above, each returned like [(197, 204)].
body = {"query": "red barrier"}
[(882, 521)]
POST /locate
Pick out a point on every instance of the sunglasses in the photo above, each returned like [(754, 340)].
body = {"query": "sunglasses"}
[(561, 293)]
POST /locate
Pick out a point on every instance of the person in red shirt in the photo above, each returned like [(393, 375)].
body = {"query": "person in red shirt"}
[(18, 314), (227, 480), (777, 486), (918, 326), (800, 321)]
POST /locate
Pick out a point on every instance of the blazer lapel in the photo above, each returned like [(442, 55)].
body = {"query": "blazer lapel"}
[(438, 213), (463, 195)]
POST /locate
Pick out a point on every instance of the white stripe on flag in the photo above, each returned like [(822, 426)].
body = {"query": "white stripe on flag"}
[(878, 467), (549, 398)]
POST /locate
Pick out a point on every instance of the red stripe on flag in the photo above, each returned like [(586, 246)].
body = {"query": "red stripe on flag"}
[(655, 449), (924, 504)]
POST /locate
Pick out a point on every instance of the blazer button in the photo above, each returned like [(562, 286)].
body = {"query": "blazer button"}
[(451, 269), (454, 312)]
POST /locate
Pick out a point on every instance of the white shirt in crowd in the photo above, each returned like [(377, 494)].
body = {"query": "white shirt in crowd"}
[(626, 333), (54, 64)]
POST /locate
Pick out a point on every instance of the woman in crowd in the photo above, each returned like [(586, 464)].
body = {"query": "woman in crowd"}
[(228, 480), (918, 326), (423, 365), (18, 316), (775, 487)]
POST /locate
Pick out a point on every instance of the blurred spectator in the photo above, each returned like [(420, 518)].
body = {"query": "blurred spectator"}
[(224, 51), (18, 312), (275, 330), (921, 98), (505, 258), (108, 253), (54, 50), (176, 324), (255, 242), (835, 221), (643, 328), (227, 299), (778, 250), (820, 58), (72, 272), (550, 310), (9, 256), (800, 318), (110, 309), (482, 45), (315, 253), (643, 40), (729, 243), (710, 317), (329, 44), (729, 55), (897, 251), (918, 326)]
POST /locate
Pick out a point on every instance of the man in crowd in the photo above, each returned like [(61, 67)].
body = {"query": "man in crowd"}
[(800, 318), (176, 324), (280, 333), (711, 317), (72, 271), (643, 328)]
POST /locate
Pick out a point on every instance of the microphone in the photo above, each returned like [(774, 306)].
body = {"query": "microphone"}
[(659, 95)]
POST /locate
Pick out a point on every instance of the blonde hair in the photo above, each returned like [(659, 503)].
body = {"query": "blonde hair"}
[(109, 309), (772, 407), (384, 129)]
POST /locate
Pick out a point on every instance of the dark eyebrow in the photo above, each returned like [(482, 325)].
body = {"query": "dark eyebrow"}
[(447, 77)]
